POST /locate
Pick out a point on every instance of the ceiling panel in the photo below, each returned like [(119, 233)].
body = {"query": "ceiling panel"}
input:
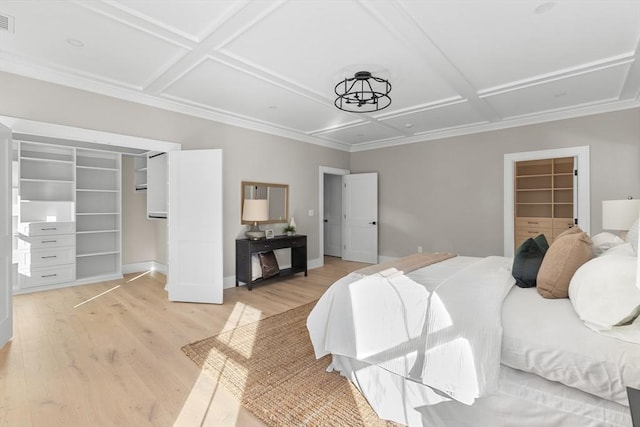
[(193, 19), (220, 87), (458, 114), (362, 133), (561, 94), (496, 42), (330, 45), (45, 33)]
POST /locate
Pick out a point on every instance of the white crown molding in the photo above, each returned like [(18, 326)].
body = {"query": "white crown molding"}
[(507, 124), (76, 82), (15, 66)]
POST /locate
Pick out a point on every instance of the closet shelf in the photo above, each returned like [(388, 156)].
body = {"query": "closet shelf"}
[(96, 231), (97, 168), (90, 254), (46, 201), (45, 180), (48, 161), (96, 190), (96, 213)]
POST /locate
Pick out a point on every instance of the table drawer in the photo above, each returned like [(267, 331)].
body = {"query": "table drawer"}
[(47, 256), (41, 276), (53, 241), (299, 242), (46, 228), (266, 245)]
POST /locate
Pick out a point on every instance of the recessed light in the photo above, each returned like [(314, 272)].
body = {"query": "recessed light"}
[(75, 42), (408, 125), (544, 7)]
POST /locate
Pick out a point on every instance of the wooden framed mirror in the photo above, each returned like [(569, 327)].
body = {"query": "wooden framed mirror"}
[(276, 194)]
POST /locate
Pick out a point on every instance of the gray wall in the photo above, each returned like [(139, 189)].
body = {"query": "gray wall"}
[(447, 195), (441, 195), (138, 232), (248, 155)]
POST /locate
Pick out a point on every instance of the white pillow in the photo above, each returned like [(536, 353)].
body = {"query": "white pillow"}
[(603, 292), (603, 241), (632, 236), (624, 249)]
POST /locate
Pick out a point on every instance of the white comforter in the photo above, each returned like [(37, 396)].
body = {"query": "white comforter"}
[(445, 333)]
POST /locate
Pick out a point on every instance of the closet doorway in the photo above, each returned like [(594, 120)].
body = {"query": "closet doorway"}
[(545, 192)]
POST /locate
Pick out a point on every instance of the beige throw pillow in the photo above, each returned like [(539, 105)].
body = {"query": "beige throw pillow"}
[(565, 255), (572, 230)]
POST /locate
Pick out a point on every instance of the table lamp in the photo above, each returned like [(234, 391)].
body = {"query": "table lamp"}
[(255, 210)]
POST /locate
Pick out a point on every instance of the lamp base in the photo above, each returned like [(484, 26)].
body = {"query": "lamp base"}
[(255, 235), (254, 232)]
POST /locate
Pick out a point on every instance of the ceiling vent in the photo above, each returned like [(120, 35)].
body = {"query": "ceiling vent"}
[(6, 22)]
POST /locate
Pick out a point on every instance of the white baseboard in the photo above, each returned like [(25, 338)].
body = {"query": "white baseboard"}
[(144, 266), (383, 258)]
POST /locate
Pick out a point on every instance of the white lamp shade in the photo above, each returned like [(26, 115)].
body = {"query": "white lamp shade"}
[(619, 214), (255, 210)]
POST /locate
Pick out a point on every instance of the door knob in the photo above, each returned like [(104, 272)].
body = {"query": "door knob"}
[(372, 223), (326, 220)]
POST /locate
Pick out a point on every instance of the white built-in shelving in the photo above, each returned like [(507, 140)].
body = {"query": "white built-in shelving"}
[(45, 221), (140, 172), (67, 215), (98, 213)]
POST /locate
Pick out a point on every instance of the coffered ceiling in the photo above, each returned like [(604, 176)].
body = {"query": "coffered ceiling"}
[(456, 67)]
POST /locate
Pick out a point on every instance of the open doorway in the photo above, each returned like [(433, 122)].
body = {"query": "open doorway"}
[(332, 214), (330, 208)]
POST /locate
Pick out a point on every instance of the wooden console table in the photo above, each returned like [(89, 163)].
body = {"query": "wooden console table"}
[(245, 248)]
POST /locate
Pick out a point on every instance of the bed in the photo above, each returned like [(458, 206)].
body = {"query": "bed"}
[(455, 343)]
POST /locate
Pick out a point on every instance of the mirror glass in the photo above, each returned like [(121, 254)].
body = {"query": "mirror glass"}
[(276, 194)]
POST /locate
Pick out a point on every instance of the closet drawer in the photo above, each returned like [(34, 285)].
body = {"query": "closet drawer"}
[(562, 224), (522, 235), (533, 223), (47, 257), (39, 242), (41, 276), (46, 228)]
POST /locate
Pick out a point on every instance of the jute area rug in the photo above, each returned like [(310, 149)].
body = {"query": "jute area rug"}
[(270, 367)]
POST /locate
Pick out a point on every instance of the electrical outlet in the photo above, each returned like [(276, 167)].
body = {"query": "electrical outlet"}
[(311, 212), (419, 249)]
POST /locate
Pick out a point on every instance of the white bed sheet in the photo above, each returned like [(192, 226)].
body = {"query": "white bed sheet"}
[(444, 331), (546, 337), (522, 399)]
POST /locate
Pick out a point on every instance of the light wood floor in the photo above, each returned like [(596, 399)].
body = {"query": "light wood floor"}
[(109, 353)]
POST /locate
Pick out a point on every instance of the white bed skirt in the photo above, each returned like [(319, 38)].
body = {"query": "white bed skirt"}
[(523, 399)]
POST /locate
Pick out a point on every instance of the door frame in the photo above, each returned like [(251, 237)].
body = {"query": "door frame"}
[(85, 136), (583, 200), (321, 173)]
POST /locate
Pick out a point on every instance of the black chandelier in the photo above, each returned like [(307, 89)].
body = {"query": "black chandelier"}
[(363, 93)]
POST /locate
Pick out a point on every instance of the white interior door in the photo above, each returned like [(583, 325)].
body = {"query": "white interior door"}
[(332, 225), (360, 218), (6, 313), (194, 272)]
